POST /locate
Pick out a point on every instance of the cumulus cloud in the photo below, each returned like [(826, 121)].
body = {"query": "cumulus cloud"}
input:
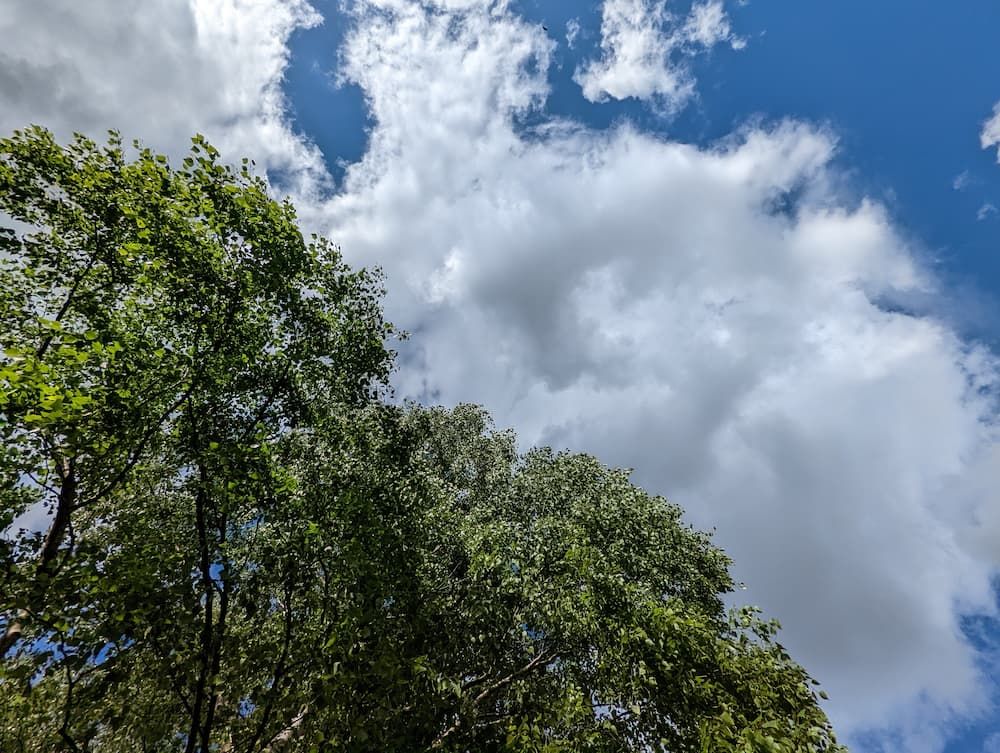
[(709, 316), (644, 48), (160, 70)]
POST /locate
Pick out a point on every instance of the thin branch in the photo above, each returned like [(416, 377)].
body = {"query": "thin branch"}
[(68, 703), (278, 674), (283, 736), (65, 306), (542, 660), (137, 451)]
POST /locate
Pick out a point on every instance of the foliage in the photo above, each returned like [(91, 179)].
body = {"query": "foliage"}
[(248, 549)]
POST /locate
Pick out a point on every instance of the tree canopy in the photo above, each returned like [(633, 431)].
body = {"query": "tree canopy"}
[(248, 547)]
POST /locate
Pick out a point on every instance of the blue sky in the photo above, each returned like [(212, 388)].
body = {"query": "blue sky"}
[(747, 249)]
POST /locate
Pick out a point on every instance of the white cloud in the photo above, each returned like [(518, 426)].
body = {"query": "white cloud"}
[(160, 70), (989, 136), (663, 306), (644, 49), (962, 181), (706, 316), (707, 24), (986, 211)]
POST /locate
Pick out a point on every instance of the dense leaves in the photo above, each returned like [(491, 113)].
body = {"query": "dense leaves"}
[(247, 549)]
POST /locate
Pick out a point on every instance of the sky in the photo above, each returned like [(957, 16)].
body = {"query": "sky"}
[(747, 249)]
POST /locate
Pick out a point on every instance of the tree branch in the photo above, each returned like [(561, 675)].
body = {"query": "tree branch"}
[(278, 674), (542, 660), (283, 736), (50, 550), (65, 306)]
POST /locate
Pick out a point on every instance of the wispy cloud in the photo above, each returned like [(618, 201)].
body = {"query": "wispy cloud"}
[(989, 135), (572, 32)]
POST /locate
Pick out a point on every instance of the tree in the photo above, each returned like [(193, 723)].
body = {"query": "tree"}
[(162, 329), (250, 550)]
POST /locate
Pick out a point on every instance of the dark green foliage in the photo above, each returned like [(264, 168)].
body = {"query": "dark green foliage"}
[(248, 550)]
